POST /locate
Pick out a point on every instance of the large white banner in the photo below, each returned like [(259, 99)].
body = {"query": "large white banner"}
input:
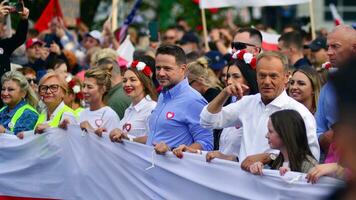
[(247, 3), (71, 165)]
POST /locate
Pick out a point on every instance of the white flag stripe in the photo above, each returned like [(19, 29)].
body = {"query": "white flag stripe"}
[(335, 14), (68, 165), (247, 3)]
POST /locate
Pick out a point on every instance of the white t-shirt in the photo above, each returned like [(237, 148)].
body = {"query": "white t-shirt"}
[(104, 117), (252, 114), (135, 121)]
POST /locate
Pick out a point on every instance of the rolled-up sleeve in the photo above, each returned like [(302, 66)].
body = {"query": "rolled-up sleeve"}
[(227, 117)]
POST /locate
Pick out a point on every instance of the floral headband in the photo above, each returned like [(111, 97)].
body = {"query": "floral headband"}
[(75, 87), (245, 56), (140, 66), (327, 66)]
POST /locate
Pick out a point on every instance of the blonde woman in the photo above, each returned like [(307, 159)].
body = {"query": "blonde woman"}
[(18, 114), (98, 117), (203, 79), (52, 89)]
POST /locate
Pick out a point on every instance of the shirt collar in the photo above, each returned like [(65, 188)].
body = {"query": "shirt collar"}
[(59, 107), (280, 101), (173, 92), (141, 104)]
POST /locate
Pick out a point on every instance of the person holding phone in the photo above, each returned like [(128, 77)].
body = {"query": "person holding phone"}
[(8, 45)]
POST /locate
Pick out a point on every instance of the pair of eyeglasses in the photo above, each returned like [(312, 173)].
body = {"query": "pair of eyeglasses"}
[(32, 80), (52, 88), (241, 45)]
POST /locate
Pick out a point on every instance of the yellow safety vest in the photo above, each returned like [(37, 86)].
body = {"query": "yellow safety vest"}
[(18, 114), (56, 119)]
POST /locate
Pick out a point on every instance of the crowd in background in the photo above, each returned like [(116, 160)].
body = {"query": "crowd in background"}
[(234, 100)]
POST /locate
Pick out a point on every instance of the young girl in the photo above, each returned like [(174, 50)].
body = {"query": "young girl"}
[(98, 117), (287, 133)]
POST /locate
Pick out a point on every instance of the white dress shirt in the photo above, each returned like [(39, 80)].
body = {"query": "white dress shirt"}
[(135, 121), (252, 114)]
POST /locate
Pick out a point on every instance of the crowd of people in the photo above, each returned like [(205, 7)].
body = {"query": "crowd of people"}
[(235, 100)]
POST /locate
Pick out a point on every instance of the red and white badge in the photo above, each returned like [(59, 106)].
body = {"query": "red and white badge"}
[(127, 127), (169, 115)]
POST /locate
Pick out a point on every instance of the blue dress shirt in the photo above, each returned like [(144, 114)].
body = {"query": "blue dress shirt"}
[(326, 114), (175, 120), (26, 122)]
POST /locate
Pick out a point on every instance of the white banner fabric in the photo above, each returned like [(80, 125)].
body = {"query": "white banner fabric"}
[(72, 165), (247, 3)]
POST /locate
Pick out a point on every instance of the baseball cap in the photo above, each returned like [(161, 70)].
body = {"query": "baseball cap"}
[(318, 43), (189, 37), (33, 41), (216, 60), (96, 35)]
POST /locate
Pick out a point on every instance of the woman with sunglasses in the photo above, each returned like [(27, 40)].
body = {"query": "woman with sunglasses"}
[(18, 114), (52, 89)]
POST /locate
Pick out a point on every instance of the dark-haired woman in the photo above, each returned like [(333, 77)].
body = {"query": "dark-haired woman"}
[(138, 86)]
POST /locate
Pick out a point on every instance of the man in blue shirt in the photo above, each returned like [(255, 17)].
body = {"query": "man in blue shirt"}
[(341, 44), (174, 123)]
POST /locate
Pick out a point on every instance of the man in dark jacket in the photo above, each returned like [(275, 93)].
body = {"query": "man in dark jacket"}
[(8, 45)]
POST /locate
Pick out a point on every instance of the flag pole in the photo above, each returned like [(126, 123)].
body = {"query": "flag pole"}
[(205, 29), (114, 14), (312, 19)]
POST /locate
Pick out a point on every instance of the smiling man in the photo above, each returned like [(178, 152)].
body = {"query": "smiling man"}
[(252, 112)]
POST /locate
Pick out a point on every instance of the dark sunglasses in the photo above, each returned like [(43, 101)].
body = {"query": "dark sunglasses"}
[(32, 80), (240, 45)]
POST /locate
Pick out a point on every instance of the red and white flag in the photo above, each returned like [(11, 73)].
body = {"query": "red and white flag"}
[(247, 3), (336, 16), (269, 41)]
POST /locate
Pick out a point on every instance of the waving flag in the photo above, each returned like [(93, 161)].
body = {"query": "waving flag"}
[(270, 41), (336, 16), (129, 19), (53, 9)]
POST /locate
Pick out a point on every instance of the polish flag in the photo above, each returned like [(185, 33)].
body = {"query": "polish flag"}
[(336, 16), (269, 41)]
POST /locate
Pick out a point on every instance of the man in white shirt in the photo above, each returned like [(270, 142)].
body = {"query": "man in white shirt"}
[(252, 112)]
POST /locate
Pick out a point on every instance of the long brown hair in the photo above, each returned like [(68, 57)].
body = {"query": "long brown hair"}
[(290, 127)]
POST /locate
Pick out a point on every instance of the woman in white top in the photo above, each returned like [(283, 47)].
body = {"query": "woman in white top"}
[(98, 117), (139, 87)]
